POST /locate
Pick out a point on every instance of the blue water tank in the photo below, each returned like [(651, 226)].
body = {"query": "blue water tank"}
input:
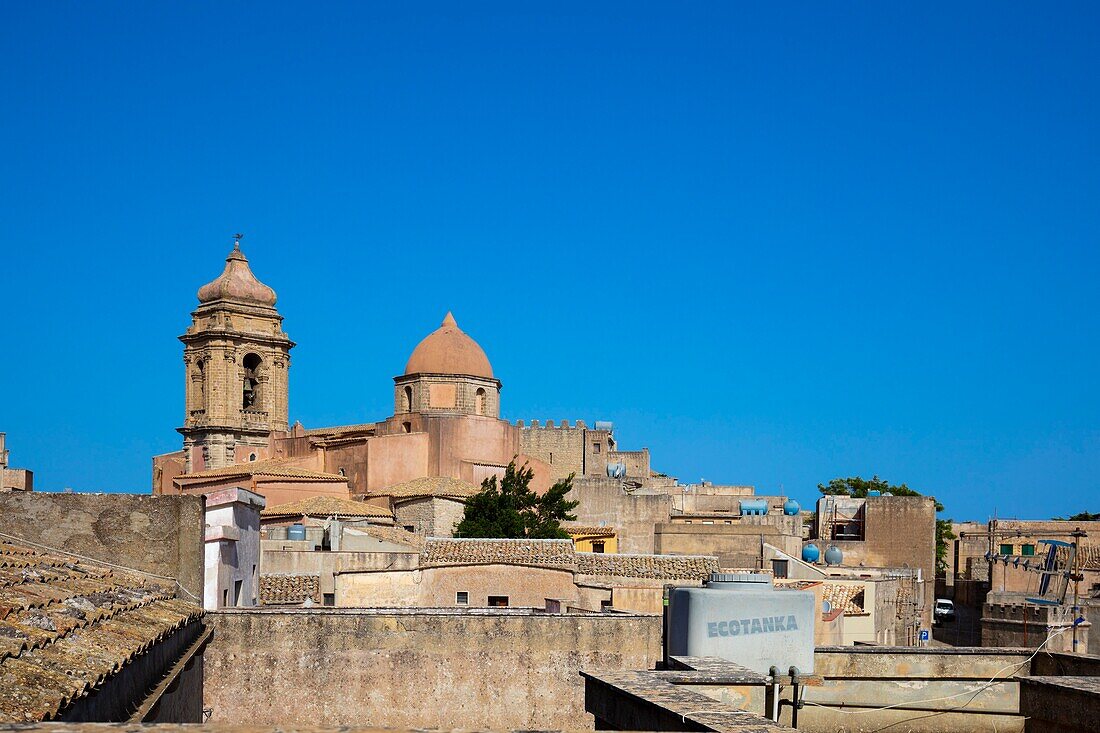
[(833, 555), (874, 492), (296, 532), (616, 470), (791, 507), (811, 553), (757, 507)]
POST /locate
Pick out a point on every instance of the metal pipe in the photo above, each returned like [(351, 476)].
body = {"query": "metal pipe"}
[(774, 673)]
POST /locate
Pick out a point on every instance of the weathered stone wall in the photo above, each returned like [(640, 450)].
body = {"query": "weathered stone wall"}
[(438, 587), (156, 534), (899, 531), (429, 516), (603, 501), (501, 669), (560, 446), (737, 545)]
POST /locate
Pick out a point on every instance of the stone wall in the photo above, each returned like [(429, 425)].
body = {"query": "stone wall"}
[(603, 501), (500, 669), (737, 544), (155, 534), (559, 446), (899, 531), (429, 516)]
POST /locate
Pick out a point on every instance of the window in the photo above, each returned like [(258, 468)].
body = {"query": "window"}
[(250, 398), (410, 528), (462, 598), (597, 547), (1027, 550), (251, 457), (605, 605), (407, 427), (408, 400), (329, 599), (237, 592), (498, 601), (225, 597), (595, 447), (480, 401), (779, 568), (343, 472), (1006, 549)]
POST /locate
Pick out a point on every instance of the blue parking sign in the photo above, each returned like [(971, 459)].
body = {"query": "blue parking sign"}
[(924, 634)]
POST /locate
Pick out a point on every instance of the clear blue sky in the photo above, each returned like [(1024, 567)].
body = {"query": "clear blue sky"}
[(773, 244)]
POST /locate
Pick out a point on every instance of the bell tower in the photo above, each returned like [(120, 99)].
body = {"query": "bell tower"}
[(236, 358)]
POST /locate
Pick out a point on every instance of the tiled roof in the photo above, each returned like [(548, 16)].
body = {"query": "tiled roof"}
[(539, 553), (343, 429), (66, 625), (284, 590), (325, 506), (844, 597), (390, 534), (430, 486), (272, 467), (580, 531), (660, 567)]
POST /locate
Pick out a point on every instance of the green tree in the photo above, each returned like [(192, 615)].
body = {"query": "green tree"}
[(1080, 517), (859, 487), (509, 509)]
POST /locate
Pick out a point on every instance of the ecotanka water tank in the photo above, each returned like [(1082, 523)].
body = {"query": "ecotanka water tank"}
[(296, 532), (811, 553), (741, 617), (791, 507)]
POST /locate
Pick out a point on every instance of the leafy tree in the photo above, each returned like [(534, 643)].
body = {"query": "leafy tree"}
[(511, 510), (1080, 517), (859, 487)]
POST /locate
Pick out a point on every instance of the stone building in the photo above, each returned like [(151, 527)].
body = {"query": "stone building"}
[(232, 543), (13, 479), (528, 573), (445, 423)]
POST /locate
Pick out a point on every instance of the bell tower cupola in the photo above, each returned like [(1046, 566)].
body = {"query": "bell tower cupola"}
[(236, 358)]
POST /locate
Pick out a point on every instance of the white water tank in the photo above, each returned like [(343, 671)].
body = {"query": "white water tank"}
[(741, 617)]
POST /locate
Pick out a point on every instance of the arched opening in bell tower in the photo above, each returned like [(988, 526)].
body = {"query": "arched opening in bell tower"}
[(250, 396)]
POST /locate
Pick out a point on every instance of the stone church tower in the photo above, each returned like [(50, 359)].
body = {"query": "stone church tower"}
[(236, 358)]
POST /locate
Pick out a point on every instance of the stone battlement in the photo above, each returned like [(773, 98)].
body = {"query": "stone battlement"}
[(551, 425)]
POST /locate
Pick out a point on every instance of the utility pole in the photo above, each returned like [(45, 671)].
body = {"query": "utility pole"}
[(1076, 577)]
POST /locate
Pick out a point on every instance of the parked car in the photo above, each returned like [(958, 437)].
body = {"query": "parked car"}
[(944, 611)]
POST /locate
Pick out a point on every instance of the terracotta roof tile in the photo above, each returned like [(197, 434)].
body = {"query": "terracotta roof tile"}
[(845, 597), (284, 590), (658, 567), (67, 624), (576, 530), (539, 553), (322, 507), (273, 467), (336, 430), (430, 486)]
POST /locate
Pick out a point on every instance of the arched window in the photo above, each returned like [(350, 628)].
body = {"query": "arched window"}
[(480, 401), (251, 456), (408, 399), (200, 385), (250, 397)]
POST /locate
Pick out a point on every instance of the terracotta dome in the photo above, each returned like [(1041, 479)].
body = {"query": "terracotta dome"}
[(448, 350), (237, 283)]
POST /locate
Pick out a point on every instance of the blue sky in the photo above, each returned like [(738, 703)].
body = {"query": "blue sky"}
[(773, 243)]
